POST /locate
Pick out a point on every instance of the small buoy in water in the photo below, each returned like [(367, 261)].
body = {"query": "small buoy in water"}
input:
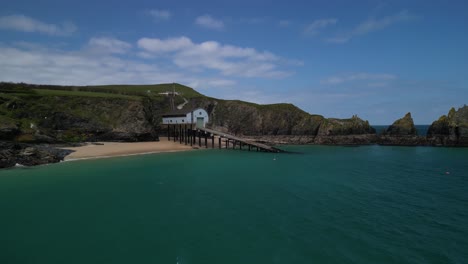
[(447, 172)]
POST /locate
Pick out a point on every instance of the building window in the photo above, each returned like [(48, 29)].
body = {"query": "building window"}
[(183, 121), (171, 120), (200, 113)]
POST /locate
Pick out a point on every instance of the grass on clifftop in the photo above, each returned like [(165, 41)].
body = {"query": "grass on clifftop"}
[(132, 92), (45, 92), (152, 89)]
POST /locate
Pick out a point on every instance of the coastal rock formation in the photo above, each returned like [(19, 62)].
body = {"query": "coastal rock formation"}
[(12, 154), (402, 127), (241, 118), (451, 129), (352, 131), (30, 117), (340, 127), (402, 133)]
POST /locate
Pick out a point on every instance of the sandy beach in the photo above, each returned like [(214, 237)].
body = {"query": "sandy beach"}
[(114, 149)]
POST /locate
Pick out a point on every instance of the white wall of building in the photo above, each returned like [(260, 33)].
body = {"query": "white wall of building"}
[(175, 120), (199, 112)]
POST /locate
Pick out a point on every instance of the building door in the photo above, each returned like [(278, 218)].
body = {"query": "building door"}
[(199, 121)]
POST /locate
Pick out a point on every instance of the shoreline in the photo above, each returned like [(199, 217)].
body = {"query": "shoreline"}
[(122, 149)]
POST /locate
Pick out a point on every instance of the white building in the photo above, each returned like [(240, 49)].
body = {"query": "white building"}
[(197, 116)]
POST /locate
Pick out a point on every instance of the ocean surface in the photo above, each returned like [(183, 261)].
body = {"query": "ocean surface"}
[(420, 129), (368, 204)]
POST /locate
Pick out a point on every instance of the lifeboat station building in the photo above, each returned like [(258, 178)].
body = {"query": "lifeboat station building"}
[(197, 116)]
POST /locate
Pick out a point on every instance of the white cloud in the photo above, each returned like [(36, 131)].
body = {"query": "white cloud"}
[(34, 64), (28, 24), (372, 25), (210, 55), (209, 22), (110, 45), (339, 79), (314, 28), (159, 14), (105, 60), (161, 46)]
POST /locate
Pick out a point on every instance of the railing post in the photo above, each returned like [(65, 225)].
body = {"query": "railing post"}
[(206, 140), (199, 138)]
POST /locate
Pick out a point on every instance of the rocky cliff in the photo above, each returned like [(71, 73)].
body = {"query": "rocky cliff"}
[(12, 154), (402, 127), (332, 131), (402, 133), (450, 129), (56, 116), (243, 118), (67, 114), (30, 113)]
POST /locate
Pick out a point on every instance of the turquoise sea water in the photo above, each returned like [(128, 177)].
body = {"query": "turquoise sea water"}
[(367, 204)]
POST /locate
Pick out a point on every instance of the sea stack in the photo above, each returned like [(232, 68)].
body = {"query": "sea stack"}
[(402, 127), (402, 133), (451, 129)]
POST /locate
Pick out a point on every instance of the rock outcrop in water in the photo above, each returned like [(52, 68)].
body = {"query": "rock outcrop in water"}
[(450, 129), (402, 133), (331, 131), (352, 131), (402, 127), (12, 154)]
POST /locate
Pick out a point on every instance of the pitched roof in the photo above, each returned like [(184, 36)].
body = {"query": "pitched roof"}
[(180, 112)]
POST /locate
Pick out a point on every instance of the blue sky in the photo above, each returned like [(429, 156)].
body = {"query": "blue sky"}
[(376, 59)]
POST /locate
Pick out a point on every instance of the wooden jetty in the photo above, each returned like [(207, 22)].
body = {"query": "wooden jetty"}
[(201, 136), (240, 141)]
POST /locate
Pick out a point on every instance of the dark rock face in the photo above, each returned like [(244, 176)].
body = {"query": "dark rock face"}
[(450, 130), (29, 155), (344, 127), (287, 124), (77, 119), (8, 128), (402, 133), (352, 131), (8, 132), (402, 127), (241, 118)]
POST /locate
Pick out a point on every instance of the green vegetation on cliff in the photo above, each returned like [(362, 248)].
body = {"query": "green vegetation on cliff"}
[(50, 113)]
